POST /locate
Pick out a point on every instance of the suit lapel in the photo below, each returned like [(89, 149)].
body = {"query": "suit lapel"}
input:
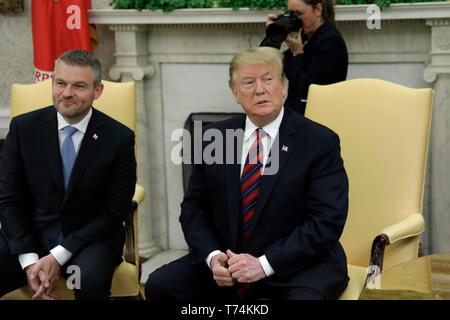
[(232, 178), (88, 149), (50, 147), (278, 155)]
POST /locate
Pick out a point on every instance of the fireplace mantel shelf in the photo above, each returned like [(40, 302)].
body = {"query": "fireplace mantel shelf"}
[(402, 11)]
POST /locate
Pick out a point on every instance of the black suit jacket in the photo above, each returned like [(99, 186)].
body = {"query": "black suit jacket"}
[(34, 206), (300, 211), (324, 61)]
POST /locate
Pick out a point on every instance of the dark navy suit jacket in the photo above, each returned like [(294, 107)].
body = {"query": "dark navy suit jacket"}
[(300, 211), (34, 206)]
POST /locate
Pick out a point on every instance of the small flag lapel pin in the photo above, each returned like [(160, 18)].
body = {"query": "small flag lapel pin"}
[(95, 136), (284, 148)]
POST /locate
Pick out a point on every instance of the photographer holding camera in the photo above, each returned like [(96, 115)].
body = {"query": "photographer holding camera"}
[(318, 54)]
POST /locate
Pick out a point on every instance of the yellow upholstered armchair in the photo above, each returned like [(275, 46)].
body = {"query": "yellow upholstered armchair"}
[(118, 101), (384, 131)]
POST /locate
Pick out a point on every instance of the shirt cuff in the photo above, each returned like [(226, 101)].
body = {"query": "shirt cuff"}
[(26, 259), (61, 254), (210, 256), (266, 266)]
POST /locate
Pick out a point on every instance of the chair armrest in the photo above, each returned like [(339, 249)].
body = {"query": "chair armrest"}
[(411, 226), (139, 194), (130, 251)]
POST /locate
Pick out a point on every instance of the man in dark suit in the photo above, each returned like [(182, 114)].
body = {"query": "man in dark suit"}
[(265, 221), (67, 177)]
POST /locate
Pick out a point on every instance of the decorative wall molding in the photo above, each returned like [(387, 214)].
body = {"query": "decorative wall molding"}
[(384, 22), (441, 38), (128, 27), (440, 51), (397, 11), (438, 22), (137, 72)]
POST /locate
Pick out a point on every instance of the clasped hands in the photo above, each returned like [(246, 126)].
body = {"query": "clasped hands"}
[(230, 267), (42, 277)]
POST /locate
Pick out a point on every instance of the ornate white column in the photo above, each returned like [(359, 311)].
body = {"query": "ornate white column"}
[(132, 65), (438, 73)]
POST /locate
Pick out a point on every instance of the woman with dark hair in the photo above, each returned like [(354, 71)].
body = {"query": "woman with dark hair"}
[(318, 54)]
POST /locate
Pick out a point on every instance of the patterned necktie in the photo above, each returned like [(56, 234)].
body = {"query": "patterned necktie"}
[(250, 182), (68, 154)]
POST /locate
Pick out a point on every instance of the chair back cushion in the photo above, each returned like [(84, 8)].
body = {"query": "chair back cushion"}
[(384, 130), (118, 100)]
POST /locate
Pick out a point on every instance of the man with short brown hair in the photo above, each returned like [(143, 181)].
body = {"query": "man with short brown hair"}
[(67, 177)]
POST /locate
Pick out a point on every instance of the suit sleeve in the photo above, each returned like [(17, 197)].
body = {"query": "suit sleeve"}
[(115, 202), (195, 218), (327, 206), (14, 214)]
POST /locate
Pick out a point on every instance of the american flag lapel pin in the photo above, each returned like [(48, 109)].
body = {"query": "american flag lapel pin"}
[(284, 148), (95, 136)]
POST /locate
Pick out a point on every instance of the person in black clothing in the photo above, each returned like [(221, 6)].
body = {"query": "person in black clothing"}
[(318, 54)]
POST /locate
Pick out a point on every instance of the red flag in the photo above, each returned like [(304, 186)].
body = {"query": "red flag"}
[(58, 26)]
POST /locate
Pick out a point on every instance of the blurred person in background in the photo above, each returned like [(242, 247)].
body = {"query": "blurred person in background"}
[(317, 55)]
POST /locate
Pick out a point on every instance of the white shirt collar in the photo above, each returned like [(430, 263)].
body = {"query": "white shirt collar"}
[(81, 126), (271, 128)]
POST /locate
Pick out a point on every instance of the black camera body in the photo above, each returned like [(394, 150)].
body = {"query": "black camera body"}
[(282, 25)]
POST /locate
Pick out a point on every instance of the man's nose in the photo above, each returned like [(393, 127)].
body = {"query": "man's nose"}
[(68, 91), (259, 87)]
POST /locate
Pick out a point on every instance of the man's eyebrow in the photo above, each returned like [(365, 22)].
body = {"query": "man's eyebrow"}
[(76, 83)]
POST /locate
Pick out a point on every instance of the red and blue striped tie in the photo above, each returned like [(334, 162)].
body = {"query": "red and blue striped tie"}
[(250, 183)]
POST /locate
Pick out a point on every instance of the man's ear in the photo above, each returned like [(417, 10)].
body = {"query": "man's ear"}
[(98, 90)]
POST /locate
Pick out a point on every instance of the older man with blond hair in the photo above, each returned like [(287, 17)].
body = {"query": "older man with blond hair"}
[(268, 223)]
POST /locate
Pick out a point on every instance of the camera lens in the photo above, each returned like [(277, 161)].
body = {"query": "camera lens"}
[(282, 25)]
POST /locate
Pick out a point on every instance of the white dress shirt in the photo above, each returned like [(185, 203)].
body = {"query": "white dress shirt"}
[(267, 140), (61, 254)]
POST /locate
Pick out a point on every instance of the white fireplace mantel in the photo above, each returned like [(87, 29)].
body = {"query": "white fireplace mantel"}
[(401, 11)]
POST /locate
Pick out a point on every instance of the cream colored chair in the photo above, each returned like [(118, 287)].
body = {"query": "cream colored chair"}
[(384, 131), (118, 101)]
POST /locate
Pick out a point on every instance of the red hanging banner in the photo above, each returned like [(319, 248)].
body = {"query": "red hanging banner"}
[(58, 26)]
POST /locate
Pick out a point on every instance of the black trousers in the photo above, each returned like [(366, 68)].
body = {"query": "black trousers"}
[(181, 280), (96, 264)]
